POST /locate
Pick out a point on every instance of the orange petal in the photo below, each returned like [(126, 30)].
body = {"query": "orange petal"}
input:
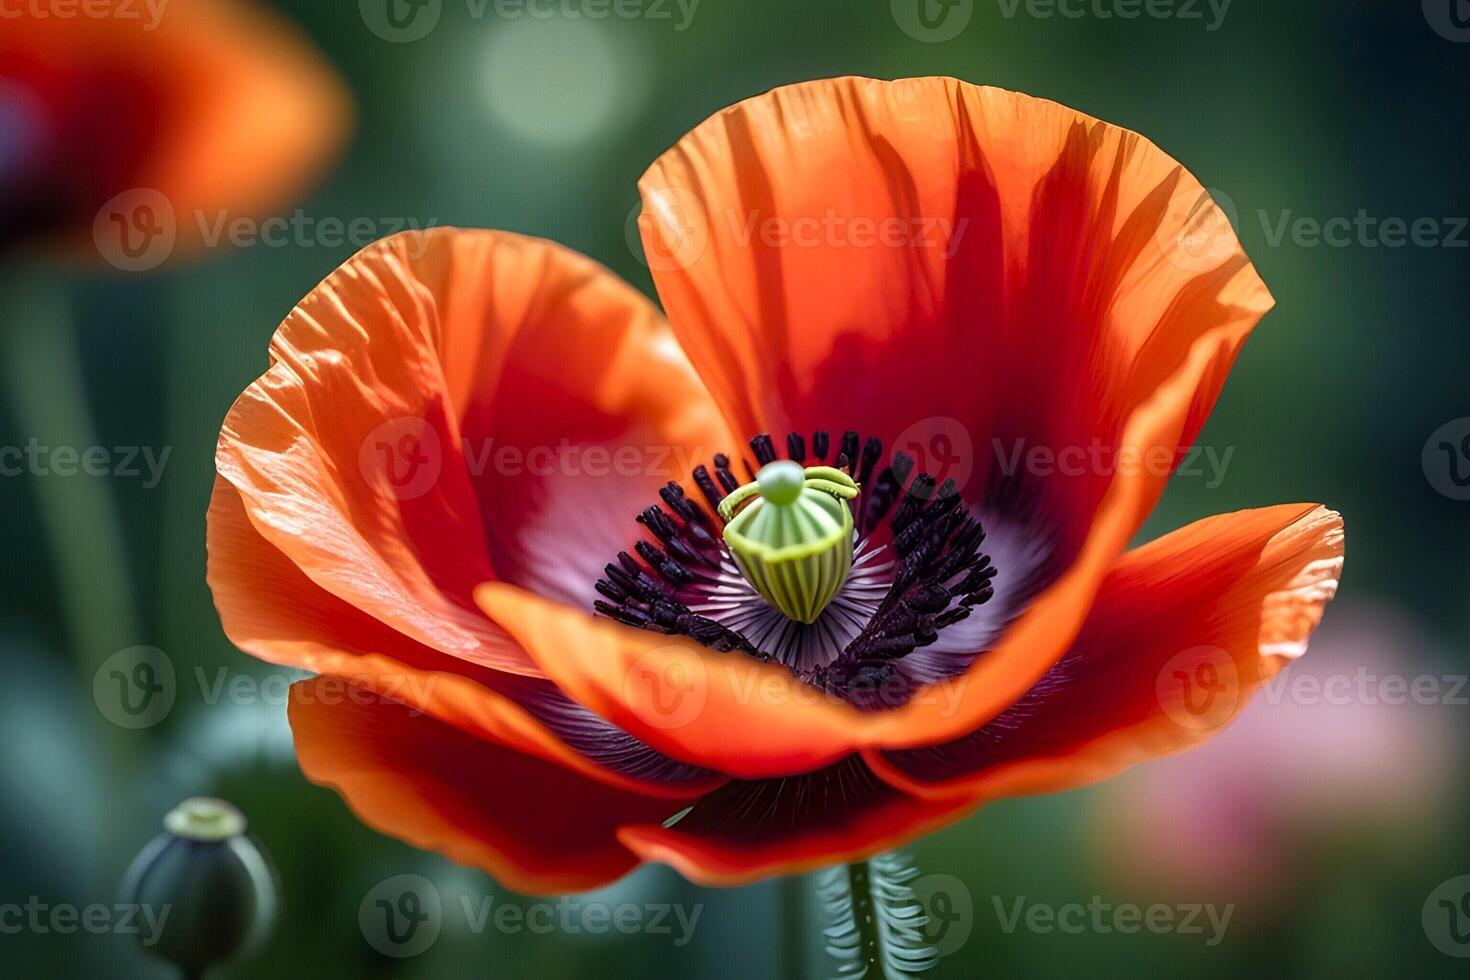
[(369, 453), (724, 711), (855, 253), (217, 106), (1043, 633), (536, 827), (748, 831), (270, 609), (1184, 631)]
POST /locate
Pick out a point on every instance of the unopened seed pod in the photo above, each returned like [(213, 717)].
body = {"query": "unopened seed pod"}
[(790, 533), (210, 884)]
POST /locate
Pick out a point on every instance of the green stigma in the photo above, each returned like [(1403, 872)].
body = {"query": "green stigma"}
[(790, 533)]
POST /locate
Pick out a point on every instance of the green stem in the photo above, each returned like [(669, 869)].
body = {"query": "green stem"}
[(866, 919), (46, 390), (791, 899)]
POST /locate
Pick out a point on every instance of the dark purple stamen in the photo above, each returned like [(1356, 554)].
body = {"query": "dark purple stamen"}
[(933, 574)]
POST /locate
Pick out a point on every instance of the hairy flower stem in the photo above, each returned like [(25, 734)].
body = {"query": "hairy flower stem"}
[(865, 917)]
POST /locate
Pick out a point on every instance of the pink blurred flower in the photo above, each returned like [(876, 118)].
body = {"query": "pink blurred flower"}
[(1354, 739)]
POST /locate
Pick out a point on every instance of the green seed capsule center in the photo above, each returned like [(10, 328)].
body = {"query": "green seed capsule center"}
[(781, 482), (205, 819), (790, 533)]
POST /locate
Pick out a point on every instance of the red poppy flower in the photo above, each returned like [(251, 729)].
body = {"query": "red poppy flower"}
[(481, 482), (179, 109)]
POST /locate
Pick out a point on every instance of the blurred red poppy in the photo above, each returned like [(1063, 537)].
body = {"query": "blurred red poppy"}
[(148, 115)]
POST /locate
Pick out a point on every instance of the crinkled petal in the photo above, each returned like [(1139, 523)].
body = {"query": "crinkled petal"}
[(1185, 630)]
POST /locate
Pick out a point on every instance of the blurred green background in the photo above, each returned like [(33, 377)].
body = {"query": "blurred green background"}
[(1324, 830)]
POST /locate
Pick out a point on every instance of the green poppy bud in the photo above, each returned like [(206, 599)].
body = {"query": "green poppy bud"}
[(790, 533), (211, 884)]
